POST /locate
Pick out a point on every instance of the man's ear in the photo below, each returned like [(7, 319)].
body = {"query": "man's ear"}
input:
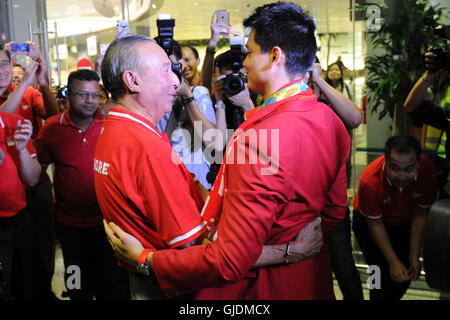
[(132, 81), (276, 55)]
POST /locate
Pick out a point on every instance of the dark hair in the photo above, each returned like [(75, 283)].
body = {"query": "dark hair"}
[(284, 24), (82, 75), (224, 60), (402, 144), (18, 65), (341, 80), (193, 50)]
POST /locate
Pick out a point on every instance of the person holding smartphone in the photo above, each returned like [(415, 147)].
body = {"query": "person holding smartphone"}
[(35, 106)]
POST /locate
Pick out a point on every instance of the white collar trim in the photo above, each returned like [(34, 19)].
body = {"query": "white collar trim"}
[(125, 115)]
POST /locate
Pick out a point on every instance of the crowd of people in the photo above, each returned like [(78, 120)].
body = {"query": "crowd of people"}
[(202, 193)]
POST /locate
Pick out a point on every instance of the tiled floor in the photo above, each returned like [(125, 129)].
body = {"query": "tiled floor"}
[(411, 294)]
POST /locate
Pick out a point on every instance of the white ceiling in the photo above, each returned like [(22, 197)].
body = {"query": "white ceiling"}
[(193, 18)]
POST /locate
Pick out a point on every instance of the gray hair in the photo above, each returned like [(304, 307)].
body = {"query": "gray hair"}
[(121, 56)]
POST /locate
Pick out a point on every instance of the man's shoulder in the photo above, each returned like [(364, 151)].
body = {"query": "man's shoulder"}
[(128, 134), (56, 119), (31, 93), (427, 170), (372, 175), (9, 120)]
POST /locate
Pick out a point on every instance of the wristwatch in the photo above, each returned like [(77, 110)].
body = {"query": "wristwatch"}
[(142, 265), (188, 100), (219, 105)]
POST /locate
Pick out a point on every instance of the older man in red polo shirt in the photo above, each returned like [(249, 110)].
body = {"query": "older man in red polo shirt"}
[(18, 168), (394, 195), (68, 140)]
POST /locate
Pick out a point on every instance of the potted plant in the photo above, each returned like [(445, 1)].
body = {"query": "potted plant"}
[(404, 35)]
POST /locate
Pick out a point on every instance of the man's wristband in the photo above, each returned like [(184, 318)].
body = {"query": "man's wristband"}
[(143, 256), (142, 265), (188, 100)]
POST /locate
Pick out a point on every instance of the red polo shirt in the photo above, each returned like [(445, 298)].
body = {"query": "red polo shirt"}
[(142, 185), (12, 188), (31, 107), (378, 198), (61, 142)]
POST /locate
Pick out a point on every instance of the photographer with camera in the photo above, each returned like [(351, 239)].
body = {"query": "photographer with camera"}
[(429, 102), (232, 96), (192, 111)]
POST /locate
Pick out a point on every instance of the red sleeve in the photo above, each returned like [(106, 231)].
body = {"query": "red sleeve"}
[(38, 103), (368, 203), (43, 150), (429, 181), (249, 209), (336, 207), (31, 149), (173, 210)]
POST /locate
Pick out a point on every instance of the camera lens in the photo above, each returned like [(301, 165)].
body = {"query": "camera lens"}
[(234, 83)]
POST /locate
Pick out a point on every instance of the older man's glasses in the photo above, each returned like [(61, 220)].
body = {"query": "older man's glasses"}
[(86, 95)]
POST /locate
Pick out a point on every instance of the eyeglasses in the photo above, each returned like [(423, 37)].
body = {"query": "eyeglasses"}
[(85, 95)]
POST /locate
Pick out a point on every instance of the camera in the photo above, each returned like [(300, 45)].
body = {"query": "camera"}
[(165, 26), (235, 82), (442, 59)]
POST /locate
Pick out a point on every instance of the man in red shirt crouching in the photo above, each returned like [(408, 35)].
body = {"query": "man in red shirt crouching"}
[(390, 208)]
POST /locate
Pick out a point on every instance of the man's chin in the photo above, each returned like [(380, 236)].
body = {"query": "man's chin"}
[(401, 185)]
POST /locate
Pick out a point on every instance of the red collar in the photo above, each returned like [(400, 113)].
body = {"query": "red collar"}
[(65, 120), (124, 114)]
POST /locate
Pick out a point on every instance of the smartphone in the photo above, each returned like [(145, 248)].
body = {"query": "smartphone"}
[(223, 17), (20, 47), (121, 26)]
